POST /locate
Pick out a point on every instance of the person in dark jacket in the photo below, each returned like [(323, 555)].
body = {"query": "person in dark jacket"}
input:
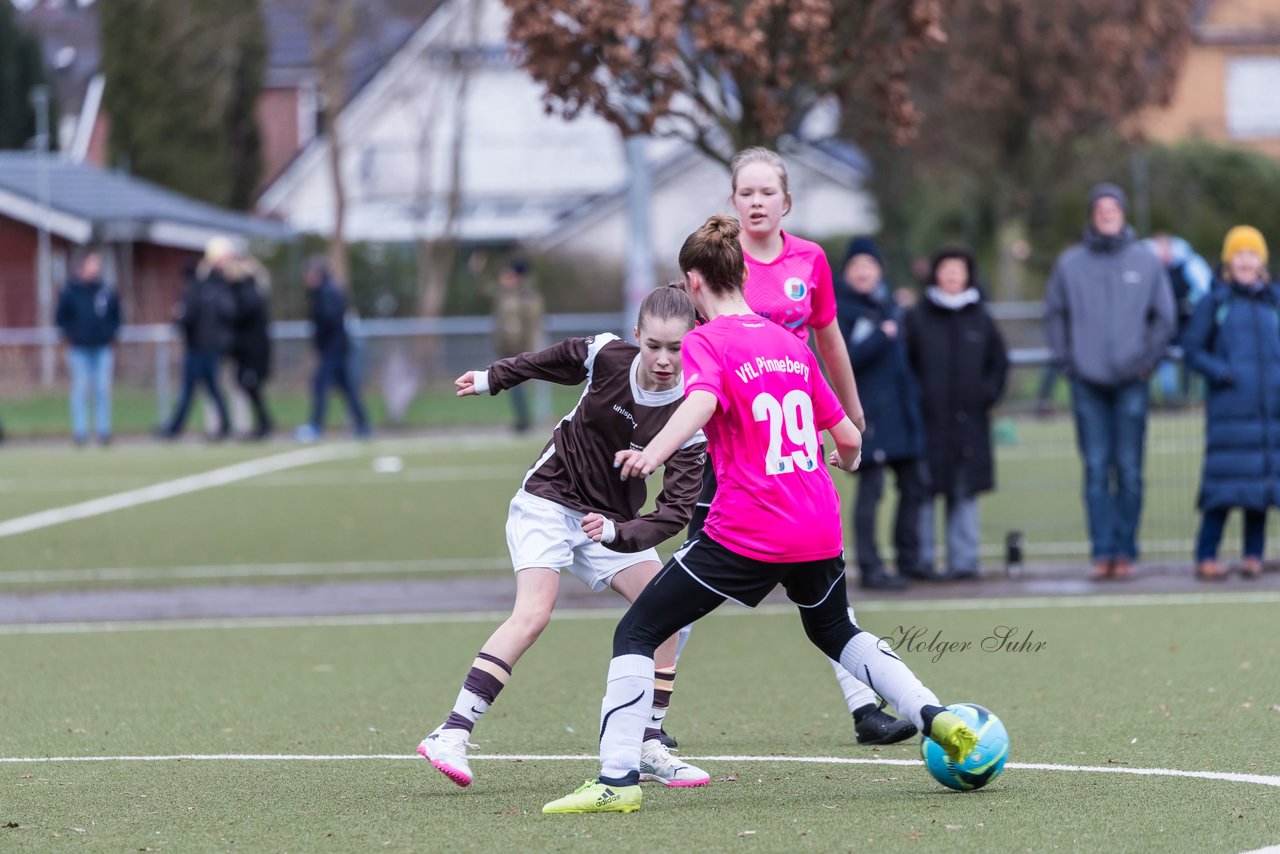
[(960, 362), (517, 326), (333, 345), (251, 339), (88, 315), (869, 321), (205, 314), (1233, 339), (1109, 315)]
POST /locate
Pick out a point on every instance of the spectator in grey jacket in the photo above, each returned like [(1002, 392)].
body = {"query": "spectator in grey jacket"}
[(1109, 315)]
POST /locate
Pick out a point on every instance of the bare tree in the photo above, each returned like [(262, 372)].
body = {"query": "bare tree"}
[(1019, 83), (332, 31), (725, 73)]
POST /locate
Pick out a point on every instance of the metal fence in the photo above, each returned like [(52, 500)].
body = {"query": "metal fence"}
[(1038, 474)]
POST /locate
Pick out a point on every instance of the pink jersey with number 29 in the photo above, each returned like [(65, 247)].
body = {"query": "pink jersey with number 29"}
[(775, 500)]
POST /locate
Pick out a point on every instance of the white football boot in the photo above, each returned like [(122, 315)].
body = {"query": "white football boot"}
[(657, 765)]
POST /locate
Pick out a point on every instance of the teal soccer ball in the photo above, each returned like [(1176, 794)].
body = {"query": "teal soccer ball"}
[(986, 761)]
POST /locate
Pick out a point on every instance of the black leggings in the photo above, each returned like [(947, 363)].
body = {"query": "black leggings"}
[(674, 599)]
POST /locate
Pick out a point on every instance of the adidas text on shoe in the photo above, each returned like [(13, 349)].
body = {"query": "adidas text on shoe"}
[(446, 749), (594, 796), (657, 765)]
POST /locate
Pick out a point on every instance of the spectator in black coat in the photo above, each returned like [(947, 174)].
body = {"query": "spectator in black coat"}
[(88, 315), (333, 345), (961, 362), (251, 339), (869, 321), (205, 314)]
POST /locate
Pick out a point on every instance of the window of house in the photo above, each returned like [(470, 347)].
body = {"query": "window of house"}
[(1253, 110)]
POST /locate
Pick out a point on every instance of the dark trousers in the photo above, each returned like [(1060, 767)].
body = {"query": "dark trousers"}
[(1214, 522), (909, 475), (333, 370), (251, 384), (520, 405), (202, 368)]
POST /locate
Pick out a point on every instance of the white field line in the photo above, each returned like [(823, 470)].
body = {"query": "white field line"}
[(448, 617), (341, 477), (258, 570), (1222, 776), (172, 488)]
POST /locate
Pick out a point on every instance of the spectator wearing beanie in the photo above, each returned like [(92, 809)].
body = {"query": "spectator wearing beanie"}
[(870, 323), (1109, 315), (1233, 339), (960, 362)]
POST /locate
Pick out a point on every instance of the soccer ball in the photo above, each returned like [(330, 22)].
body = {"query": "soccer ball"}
[(986, 761)]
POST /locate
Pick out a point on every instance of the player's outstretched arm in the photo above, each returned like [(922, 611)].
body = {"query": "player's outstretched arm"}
[(848, 441), (689, 418)]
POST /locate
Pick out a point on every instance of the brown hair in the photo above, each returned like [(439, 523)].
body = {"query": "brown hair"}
[(714, 251), (669, 301), (759, 154)]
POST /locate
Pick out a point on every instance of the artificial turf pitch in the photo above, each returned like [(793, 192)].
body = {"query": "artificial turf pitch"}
[(1190, 687), (1188, 684)]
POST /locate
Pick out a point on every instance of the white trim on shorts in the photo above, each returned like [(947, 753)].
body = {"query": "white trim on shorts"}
[(542, 533), (683, 550)]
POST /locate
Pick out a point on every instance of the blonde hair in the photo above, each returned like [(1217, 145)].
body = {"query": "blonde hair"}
[(714, 251), (759, 154)]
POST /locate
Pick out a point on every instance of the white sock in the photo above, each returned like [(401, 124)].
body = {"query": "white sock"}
[(682, 638), (628, 700), (856, 695), (874, 664)]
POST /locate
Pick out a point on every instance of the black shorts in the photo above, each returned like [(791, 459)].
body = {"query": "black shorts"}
[(747, 581)]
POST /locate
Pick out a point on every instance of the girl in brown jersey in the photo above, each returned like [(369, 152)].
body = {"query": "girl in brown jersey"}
[(573, 511)]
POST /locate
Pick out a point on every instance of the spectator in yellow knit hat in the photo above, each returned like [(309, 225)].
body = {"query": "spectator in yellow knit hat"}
[(1234, 340), (1244, 238)]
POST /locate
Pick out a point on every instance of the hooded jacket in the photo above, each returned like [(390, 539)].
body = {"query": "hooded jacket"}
[(1109, 311)]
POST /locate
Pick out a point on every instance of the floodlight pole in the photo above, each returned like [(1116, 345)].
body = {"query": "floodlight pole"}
[(640, 266), (44, 261)]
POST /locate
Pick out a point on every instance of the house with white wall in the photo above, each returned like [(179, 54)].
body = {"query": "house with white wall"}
[(452, 112)]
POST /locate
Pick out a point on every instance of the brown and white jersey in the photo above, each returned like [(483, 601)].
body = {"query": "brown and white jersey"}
[(575, 469)]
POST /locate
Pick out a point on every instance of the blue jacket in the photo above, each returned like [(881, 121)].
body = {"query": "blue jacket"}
[(88, 314), (1233, 339), (890, 397)]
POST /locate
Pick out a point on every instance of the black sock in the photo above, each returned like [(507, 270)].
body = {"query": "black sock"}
[(863, 712), (927, 715), (632, 778)]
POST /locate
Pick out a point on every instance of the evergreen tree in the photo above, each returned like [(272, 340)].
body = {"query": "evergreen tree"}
[(183, 81), (21, 68)]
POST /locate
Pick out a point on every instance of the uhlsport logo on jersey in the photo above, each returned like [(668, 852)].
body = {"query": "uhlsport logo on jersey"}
[(795, 288)]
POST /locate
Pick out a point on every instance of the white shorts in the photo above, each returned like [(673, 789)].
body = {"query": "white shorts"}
[(542, 533)]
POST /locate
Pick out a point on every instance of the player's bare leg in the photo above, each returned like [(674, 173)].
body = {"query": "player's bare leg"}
[(446, 746)]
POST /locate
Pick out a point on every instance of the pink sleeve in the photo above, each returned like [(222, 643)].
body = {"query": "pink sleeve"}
[(702, 371), (824, 294), (827, 411)]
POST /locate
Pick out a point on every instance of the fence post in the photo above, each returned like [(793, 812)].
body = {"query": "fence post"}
[(162, 379)]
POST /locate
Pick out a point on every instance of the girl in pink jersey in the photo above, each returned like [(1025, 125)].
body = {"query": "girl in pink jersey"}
[(789, 282), (571, 512), (757, 391)]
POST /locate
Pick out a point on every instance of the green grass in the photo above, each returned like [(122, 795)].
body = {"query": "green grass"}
[(1158, 687), (134, 411), (449, 505), (1181, 686)]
